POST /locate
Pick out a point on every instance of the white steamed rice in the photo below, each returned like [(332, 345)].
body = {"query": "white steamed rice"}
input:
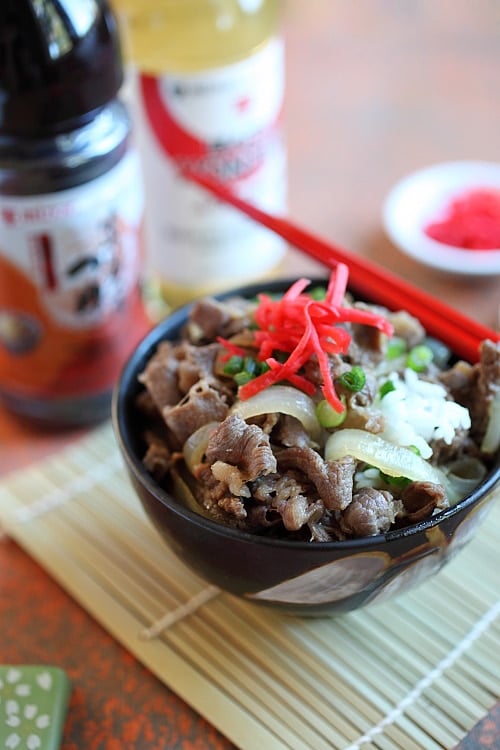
[(417, 412)]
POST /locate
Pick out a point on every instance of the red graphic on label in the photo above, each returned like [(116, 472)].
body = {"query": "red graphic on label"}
[(43, 248), (243, 104), (8, 216), (174, 140), (223, 161)]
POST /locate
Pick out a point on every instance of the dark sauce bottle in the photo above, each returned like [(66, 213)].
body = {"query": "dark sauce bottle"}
[(71, 212)]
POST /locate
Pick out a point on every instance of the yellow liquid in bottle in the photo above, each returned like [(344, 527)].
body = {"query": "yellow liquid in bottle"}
[(192, 35), (188, 36)]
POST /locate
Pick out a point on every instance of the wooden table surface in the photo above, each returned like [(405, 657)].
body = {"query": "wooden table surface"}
[(375, 90)]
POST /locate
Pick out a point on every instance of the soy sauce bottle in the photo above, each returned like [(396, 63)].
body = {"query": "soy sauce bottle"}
[(71, 212)]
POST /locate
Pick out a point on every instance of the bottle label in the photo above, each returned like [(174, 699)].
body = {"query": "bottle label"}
[(69, 270), (227, 123)]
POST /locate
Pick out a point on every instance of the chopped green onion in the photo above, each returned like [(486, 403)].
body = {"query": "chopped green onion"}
[(317, 293), (244, 369), (386, 388), (250, 366), (233, 365), (419, 358), (395, 481), (327, 416), (243, 377), (396, 347), (354, 379)]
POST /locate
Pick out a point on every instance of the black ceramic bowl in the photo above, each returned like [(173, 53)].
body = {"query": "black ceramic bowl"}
[(305, 578)]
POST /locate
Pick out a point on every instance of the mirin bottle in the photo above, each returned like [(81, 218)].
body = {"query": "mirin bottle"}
[(209, 94)]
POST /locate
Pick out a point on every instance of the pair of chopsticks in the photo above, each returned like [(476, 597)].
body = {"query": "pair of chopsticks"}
[(462, 334)]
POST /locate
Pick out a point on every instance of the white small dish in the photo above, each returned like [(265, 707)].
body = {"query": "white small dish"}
[(420, 198)]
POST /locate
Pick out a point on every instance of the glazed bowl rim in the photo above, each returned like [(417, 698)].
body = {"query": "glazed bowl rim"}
[(135, 465)]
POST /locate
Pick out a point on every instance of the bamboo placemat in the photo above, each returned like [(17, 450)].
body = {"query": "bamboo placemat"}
[(415, 673)]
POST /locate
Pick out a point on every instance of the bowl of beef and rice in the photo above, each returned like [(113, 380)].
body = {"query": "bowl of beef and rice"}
[(302, 448)]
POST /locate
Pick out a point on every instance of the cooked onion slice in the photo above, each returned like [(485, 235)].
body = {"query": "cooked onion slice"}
[(394, 460), (281, 399), (491, 439), (195, 446)]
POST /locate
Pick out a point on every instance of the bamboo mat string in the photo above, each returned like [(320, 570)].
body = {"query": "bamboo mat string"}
[(184, 610), (99, 473)]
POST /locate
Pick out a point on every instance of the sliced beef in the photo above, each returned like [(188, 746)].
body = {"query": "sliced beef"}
[(160, 376), (289, 432), (337, 367), (158, 458), (371, 512), (262, 517), (287, 498), (216, 499), (460, 381), (266, 422), (475, 386), (488, 385), (206, 320), (297, 511), (367, 346), (333, 479), (461, 443), (233, 506), (365, 418), (197, 362), (266, 489), (241, 445), (202, 404), (320, 533), (232, 477), (420, 499), (244, 339), (210, 318)]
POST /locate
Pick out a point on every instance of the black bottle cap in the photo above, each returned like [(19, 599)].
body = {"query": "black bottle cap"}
[(60, 61)]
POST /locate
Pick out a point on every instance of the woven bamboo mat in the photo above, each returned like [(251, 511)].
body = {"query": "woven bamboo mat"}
[(411, 674)]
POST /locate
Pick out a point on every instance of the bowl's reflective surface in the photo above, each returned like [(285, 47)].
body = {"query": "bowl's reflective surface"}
[(309, 578)]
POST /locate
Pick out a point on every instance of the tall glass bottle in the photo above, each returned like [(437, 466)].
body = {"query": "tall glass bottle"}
[(71, 211), (209, 96)]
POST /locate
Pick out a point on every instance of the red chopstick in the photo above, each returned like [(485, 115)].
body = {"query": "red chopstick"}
[(462, 334)]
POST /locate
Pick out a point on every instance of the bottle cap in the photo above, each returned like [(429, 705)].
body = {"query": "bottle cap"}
[(60, 61)]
